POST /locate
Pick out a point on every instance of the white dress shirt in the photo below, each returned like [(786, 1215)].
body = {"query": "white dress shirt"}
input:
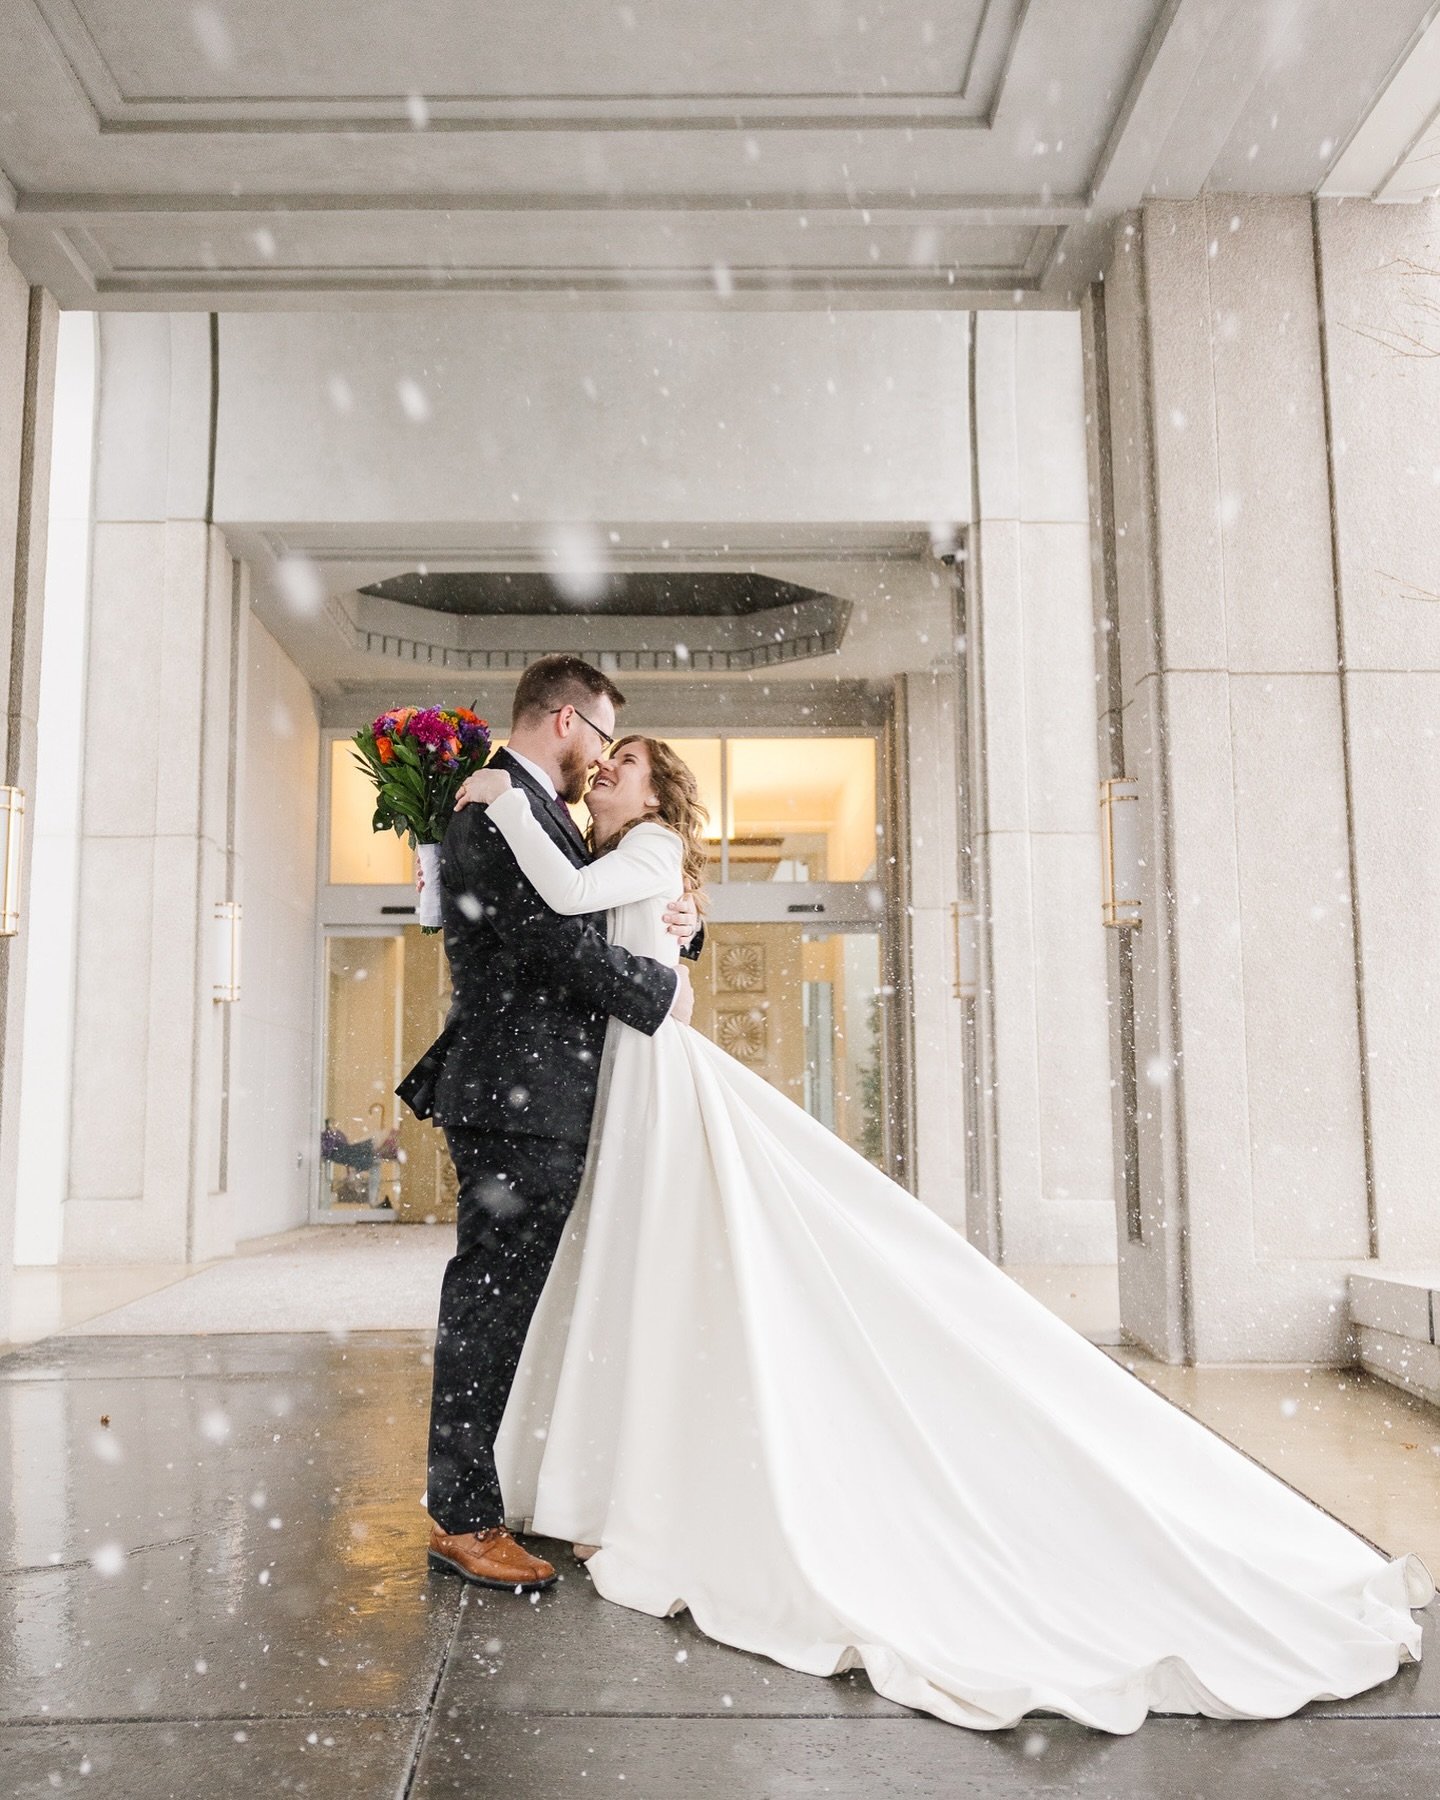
[(540, 775)]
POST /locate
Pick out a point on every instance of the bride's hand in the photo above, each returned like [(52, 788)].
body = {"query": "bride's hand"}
[(481, 788)]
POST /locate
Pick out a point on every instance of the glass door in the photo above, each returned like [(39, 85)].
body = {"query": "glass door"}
[(796, 981), (804, 1009), (386, 993)]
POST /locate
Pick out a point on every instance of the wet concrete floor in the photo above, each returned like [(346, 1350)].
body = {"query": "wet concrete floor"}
[(213, 1582)]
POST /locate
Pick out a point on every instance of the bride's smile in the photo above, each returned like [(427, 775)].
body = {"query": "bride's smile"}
[(622, 790)]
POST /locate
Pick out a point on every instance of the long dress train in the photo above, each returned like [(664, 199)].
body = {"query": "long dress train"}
[(777, 1390)]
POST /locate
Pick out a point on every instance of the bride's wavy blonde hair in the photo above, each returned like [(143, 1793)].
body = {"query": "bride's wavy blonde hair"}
[(678, 793)]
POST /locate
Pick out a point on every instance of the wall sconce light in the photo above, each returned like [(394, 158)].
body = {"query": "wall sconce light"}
[(966, 919), (1120, 860), (227, 950), (12, 855)]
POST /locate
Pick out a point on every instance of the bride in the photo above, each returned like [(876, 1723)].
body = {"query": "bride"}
[(773, 1388)]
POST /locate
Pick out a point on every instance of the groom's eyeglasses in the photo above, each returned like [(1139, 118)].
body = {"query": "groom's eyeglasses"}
[(606, 741)]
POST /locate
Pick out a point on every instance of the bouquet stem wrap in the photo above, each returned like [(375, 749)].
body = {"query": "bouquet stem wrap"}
[(428, 909)]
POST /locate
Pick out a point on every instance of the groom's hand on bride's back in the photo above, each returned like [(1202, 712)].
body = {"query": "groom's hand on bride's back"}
[(682, 918)]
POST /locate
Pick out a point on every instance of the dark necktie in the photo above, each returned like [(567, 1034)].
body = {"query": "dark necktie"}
[(572, 830)]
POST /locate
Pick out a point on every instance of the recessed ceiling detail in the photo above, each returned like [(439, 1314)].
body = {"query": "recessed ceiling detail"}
[(645, 594), (805, 624)]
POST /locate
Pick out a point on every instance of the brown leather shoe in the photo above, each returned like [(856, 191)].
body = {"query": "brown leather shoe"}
[(490, 1558)]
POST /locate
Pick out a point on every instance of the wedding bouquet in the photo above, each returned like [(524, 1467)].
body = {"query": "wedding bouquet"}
[(417, 757)]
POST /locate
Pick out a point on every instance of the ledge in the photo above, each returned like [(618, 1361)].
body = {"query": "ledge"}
[(1396, 1316)]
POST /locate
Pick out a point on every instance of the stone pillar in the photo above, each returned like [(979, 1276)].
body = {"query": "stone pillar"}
[(150, 1152), (1380, 330), (1046, 1160), (1250, 1116), (28, 320), (929, 781)]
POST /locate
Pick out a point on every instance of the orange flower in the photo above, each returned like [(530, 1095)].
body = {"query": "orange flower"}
[(464, 712), (386, 749)]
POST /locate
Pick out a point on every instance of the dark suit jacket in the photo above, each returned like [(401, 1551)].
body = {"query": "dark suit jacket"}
[(520, 1052)]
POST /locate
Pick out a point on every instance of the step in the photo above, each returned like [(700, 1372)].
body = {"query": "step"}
[(1396, 1315)]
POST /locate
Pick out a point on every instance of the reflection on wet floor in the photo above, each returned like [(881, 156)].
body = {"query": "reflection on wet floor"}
[(1366, 1451), (215, 1584)]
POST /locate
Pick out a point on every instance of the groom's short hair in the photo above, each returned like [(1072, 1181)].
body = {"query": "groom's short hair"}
[(555, 681)]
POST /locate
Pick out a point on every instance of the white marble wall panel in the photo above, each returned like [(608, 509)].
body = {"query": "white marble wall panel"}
[(1252, 1133), (1071, 1051), (1046, 999), (1180, 400), (1298, 969), (273, 1070), (28, 324), (112, 1018), (1057, 677), (468, 414), (1395, 770), (1379, 268), (147, 1103), (1379, 281), (155, 385), (1001, 669), (1273, 500)]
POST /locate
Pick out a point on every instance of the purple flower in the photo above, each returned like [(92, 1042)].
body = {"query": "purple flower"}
[(430, 728)]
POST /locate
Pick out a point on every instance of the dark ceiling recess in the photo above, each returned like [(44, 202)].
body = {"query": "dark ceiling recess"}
[(649, 595)]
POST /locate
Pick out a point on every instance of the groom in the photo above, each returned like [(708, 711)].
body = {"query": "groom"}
[(512, 1079)]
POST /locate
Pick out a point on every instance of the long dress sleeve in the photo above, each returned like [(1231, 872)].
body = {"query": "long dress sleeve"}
[(644, 865)]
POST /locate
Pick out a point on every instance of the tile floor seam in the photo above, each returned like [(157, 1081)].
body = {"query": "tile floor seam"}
[(41, 1721), (421, 1738)]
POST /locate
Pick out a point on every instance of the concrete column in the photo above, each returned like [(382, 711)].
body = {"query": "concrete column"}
[(1252, 1158), (150, 1151), (54, 816), (1380, 333), (1047, 1160), (27, 377), (931, 777)]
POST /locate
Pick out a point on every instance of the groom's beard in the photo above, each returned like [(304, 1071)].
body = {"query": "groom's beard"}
[(574, 775)]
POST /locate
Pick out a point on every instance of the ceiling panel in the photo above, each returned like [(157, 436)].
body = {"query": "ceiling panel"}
[(133, 53), (187, 153)]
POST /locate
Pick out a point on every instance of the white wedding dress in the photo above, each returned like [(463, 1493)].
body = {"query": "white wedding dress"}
[(777, 1390)]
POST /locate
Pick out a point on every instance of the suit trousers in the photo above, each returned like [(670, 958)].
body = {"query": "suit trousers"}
[(515, 1196)]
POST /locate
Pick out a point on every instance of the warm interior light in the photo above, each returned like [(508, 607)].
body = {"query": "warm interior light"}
[(227, 950), (1120, 860), (12, 848)]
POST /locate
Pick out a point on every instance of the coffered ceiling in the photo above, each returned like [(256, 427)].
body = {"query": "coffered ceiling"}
[(241, 153)]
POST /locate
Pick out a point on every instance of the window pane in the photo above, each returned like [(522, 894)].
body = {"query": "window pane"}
[(359, 854), (802, 809)]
